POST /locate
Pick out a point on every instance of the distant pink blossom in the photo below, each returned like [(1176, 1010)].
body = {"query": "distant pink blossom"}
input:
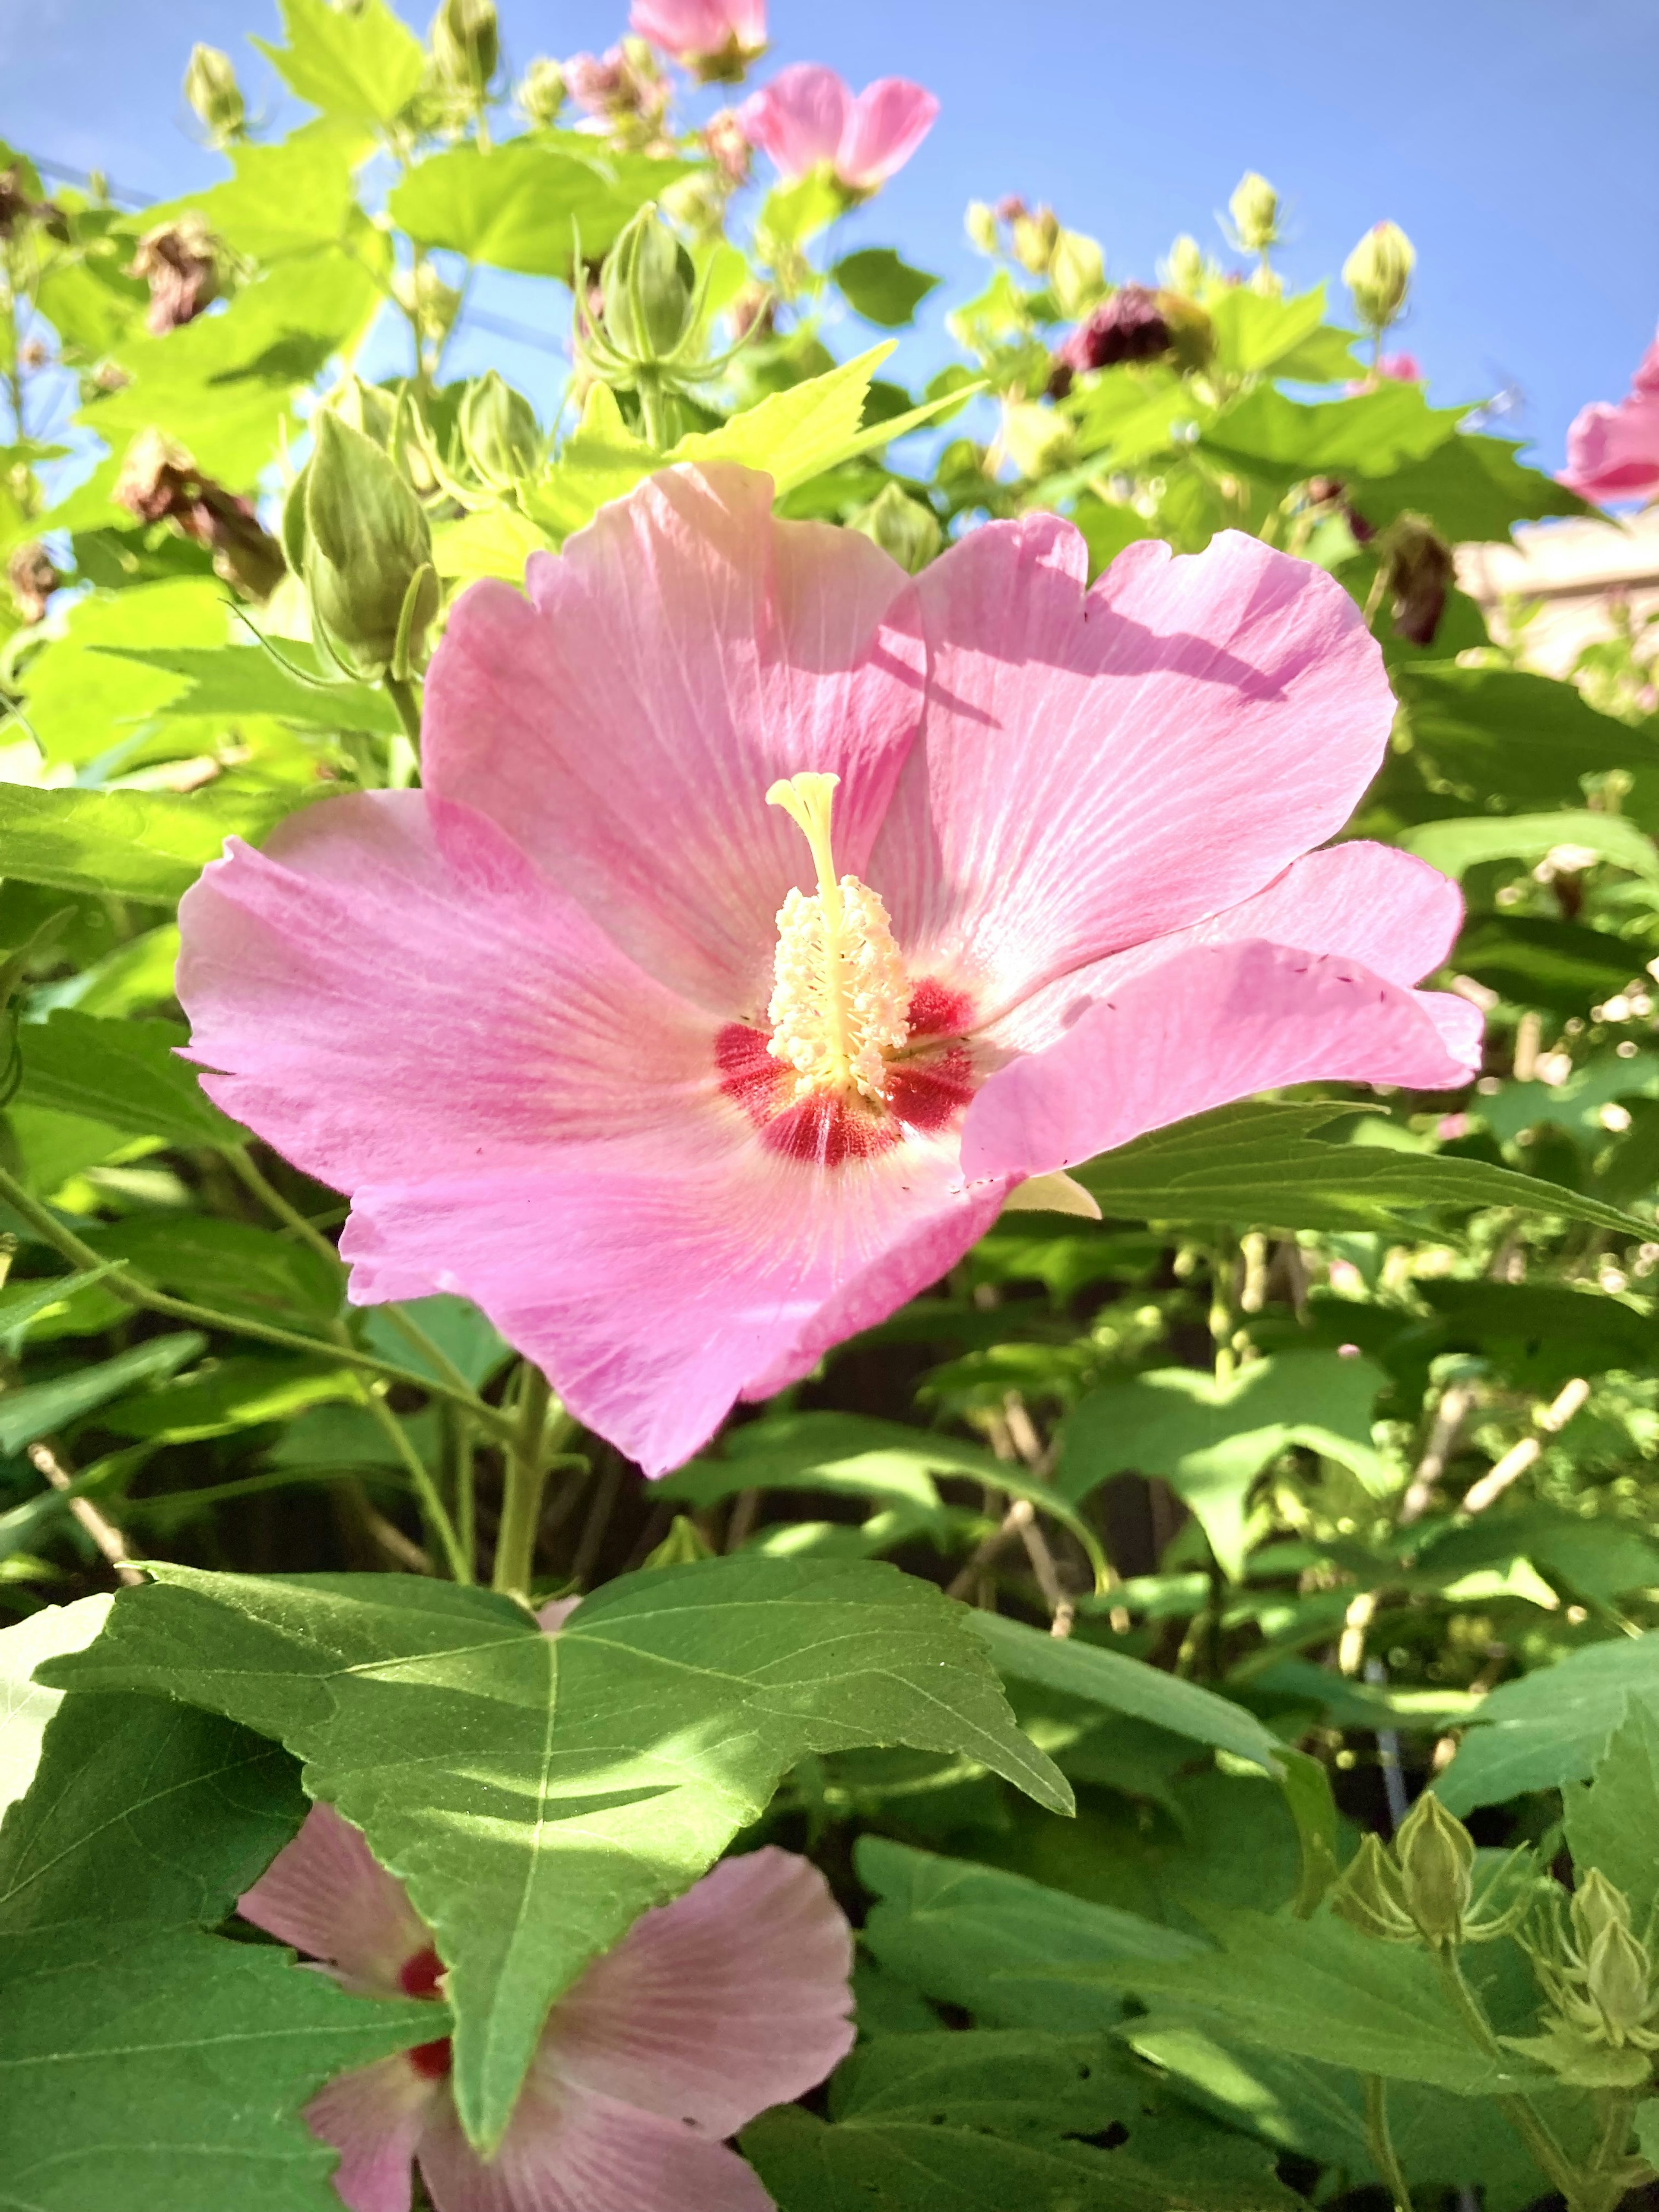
[(575, 1030), (807, 116), (1613, 451), (714, 38), (1400, 369), (731, 1999)]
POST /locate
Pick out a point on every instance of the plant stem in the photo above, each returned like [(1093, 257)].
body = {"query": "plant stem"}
[(1552, 2162), (526, 1475), (1382, 2142), (402, 693), (1222, 1324), (253, 1180), (432, 1506), (138, 1293)]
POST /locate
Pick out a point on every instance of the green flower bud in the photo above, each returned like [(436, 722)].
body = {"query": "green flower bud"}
[(1076, 273), (1618, 1973), (1378, 272), (369, 407), (1035, 439), (1254, 208), (364, 551), (1598, 1905), (648, 288), (540, 92), (683, 1547), (1034, 238), (1185, 269), (1436, 1858), (466, 44), (498, 431), (1370, 1896), (430, 304), (211, 89), (902, 527), (980, 224)]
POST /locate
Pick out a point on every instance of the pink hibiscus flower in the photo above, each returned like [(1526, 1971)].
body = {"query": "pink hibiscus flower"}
[(733, 1998), (681, 1096), (1612, 452), (714, 38), (807, 116)]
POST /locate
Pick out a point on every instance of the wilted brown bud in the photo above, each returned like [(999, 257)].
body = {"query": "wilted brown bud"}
[(752, 312), (1130, 326), (16, 202), (1420, 571), (33, 577), (160, 482), (727, 145), (34, 353), (179, 262)]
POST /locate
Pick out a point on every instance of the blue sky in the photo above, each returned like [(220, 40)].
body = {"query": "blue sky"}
[(1517, 142)]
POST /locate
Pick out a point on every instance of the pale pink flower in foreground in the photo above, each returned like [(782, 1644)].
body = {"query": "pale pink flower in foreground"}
[(583, 1041), (807, 116), (1612, 452), (731, 1999), (716, 40)]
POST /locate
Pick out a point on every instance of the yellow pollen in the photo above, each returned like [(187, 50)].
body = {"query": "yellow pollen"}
[(840, 1002)]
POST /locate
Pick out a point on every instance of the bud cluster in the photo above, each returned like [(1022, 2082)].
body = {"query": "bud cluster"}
[(1602, 2028), (1074, 264), (1422, 1889)]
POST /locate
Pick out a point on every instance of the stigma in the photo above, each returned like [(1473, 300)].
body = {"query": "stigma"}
[(839, 1000)]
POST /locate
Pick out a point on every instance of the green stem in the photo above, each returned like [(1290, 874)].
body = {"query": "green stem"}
[(1382, 2142), (1221, 1313), (139, 1294), (654, 414), (403, 696), (527, 1476), (1609, 2171), (253, 1180), (1551, 2160), (432, 1506)]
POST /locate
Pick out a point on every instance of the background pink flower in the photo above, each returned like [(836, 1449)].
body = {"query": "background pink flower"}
[(733, 1998), (527, 1016), (807, 115), (715, 38), (1613, 451)]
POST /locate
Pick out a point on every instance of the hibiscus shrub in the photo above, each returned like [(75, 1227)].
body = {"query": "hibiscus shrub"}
[(826, 1208)]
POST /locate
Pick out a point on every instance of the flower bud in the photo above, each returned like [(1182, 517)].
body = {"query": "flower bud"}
[(980, 224), (1035, 439), (540, 92), (1371, 1897), (16, 201), (369, 407), (179, 262), (1034, 238), (466, 45), (1437, 1857), (1597, 1906), (1185, 267), (358, 536), (649, 286), (499, 434), (727, 145), (1618, 1973), (685, 1546), (1378, 272), (1076, 273), (430, 304), (211, 89), (902, 526), (1254, 208)]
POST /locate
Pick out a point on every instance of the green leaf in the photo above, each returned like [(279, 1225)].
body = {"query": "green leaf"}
[(1533, 960), (228, 1264), (82, 702), (126, 1074), (26, 1705), (242, 1392), (38, 1408), (949, 2123), (877, 283), (1282, 441), (1501, 729), (292, 197), (497, 542), (1647, 2130), (1006, 1949), (1472, 489), (469, 1340), (1318, 1989), (1553, 1726), (791, 214), (144, 844), (524, 206), (21, 1302), (1211, 1440), (229, 681), (1260, 1166), (1457, 846), (362, 64), (537, 1794), (1254, 333), (1614, 1823), (1127, 1686)]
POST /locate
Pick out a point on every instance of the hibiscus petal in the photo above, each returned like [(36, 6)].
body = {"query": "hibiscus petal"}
[(798, 119), (1099, 768), (583, 2152), (887, 121), (667, 1290), (392, 990), (325, 1895), (1387, 909), (624, 724), (375, 2118), (1207, 1026), (733, 1997)]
